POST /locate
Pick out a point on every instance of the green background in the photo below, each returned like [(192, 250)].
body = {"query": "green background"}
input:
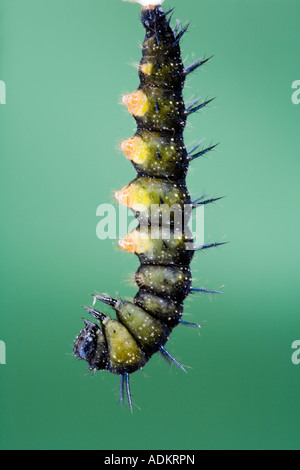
[(66, 64)]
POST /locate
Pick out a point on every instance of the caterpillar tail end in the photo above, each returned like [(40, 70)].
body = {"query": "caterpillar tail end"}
[(146, 3)]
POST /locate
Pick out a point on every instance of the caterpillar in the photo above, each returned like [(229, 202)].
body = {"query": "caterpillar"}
[(142, 327)]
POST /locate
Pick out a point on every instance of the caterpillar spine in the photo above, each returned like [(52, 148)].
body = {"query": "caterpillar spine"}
[(142, 327)]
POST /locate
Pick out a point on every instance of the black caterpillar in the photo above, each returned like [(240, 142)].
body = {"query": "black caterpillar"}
[(142, 328)]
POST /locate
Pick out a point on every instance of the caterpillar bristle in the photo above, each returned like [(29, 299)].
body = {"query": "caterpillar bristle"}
[(197, 108), (195, 65), (205, 291), (190, 105), (180, 34), (197, 145), (141, 327), (199, 198), (207, 201), (166, 13), (170, 358), (169, 20), (193, 325), (202, 152), (127, 382), (177, 27), (211, 245)]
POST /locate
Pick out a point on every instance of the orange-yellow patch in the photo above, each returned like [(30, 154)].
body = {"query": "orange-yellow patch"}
[(137, 103), (136, 242), (133, 196), (146, 68), (135, 149)]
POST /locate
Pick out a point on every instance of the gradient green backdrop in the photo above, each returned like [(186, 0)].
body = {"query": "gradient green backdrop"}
[(66, 64)]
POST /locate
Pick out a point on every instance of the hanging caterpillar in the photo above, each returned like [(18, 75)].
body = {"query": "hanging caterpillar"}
[(142, 327)]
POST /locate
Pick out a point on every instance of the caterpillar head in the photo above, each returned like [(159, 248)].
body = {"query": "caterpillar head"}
[(111, 348), (90, 346)]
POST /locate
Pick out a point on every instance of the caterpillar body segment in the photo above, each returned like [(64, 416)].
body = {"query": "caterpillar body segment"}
[(167, 310), (157, 154), (139, 323), (144, 192), (158, 245), (172, 282), (160, 200)]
